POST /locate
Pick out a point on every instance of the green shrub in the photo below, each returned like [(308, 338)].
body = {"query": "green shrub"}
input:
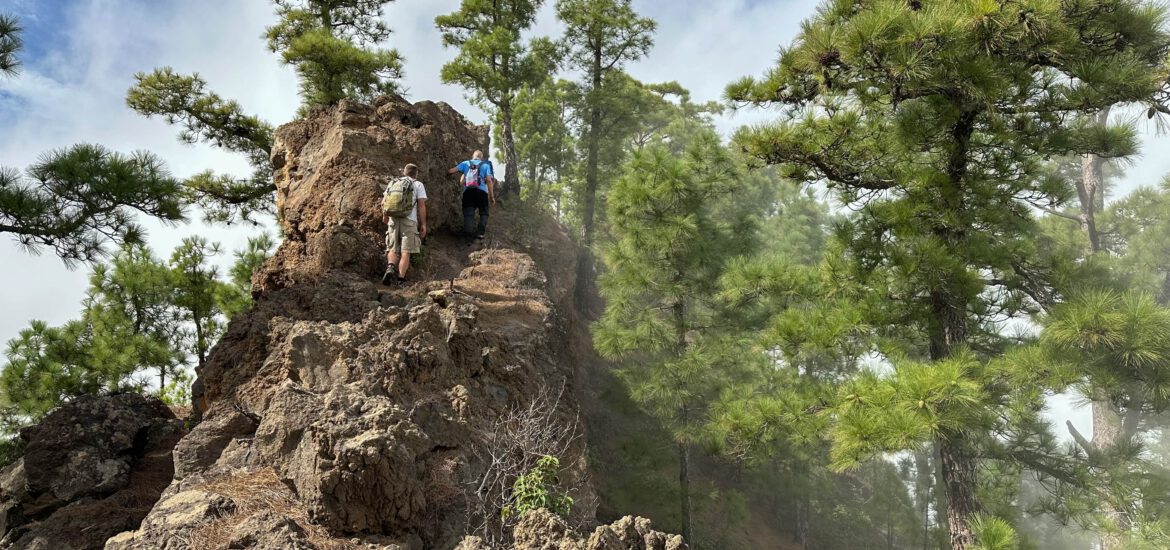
[(538, 488)]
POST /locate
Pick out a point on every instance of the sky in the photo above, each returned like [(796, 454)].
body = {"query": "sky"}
[(81, 57)]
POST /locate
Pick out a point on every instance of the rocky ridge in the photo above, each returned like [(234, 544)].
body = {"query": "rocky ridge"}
[(338, 413)]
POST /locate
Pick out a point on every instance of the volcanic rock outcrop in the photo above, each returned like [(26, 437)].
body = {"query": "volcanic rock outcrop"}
[(90, 470), (339, 413), (543, 530)]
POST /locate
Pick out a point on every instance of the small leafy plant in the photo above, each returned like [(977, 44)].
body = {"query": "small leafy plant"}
[(537, 488)]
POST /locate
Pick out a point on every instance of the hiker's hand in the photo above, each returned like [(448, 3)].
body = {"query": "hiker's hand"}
[(423, 232), (493, 198)]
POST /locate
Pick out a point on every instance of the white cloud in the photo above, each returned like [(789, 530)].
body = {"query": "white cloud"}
[(77, 95)]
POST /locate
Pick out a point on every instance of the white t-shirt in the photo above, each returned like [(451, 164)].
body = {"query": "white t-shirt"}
[(420, 193)]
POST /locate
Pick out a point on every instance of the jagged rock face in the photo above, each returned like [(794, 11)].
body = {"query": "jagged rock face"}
[(543, 530), (330, 170), (91, 469), (362, 406)]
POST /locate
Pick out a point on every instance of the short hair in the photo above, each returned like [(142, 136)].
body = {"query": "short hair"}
[(478, 155), (410, 170)]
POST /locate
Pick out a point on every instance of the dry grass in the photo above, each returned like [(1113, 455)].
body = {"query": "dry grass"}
[(256, 491), (443, 487)]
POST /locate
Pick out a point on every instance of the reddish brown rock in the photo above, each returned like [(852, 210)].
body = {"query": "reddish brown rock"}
[(367, 403)]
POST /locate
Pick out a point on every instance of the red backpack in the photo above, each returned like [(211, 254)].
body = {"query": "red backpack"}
[(474, 176)]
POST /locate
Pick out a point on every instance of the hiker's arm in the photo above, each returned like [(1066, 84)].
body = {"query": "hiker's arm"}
[(422, 218), (491, 181), (453, 170)]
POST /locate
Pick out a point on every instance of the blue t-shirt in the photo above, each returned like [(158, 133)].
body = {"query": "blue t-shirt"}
[(485, 171)]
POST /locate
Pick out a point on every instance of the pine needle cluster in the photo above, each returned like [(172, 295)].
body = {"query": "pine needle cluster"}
[(75, 201), (332, 45)]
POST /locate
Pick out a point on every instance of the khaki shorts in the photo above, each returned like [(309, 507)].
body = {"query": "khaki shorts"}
[(402, 236)]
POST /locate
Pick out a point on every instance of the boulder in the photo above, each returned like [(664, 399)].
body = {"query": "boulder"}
[(543, 530), (91, 469)]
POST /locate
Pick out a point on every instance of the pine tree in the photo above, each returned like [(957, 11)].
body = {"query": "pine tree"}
[(1119, 346), (46, 366), (601, 37), (332, 45), (78, 200), (10, 45), (198, 296), (930, 119), (495, 62), (129, 309), (1111, 142), (143, 322), (662, 270), (75, 201), (236, 297), (1116, 306), (204, 117), (545, 143), (1137, 237)]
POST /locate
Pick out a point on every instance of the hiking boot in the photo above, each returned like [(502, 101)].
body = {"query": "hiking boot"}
[(391, 275), (480, 236)]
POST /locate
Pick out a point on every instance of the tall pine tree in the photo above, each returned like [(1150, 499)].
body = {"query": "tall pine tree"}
[(545, 142), (495, 62), (670, 245), (930, 119), (602, 36)]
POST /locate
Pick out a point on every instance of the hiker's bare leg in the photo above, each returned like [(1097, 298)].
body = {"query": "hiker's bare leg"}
[(404, 264), (392, 258)]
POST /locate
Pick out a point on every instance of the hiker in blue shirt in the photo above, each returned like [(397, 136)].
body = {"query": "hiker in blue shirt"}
[(479, 188)]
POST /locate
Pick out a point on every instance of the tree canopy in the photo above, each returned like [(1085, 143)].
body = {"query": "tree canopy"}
[(332, 45)]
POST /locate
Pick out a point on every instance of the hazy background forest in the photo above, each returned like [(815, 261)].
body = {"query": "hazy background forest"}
[(906, 287)]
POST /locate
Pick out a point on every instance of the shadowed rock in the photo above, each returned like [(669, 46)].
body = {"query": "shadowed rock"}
[(91, 469)]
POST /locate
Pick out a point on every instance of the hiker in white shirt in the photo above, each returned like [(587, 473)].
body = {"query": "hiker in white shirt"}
[(404, 234)]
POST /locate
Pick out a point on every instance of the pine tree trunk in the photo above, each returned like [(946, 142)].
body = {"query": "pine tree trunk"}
[(1089, 191), (1107, 423), (1164, 292), (1107, 434), (958, 470), (956, 461), (947, 331), (925, 481), (511, 160), (684, 482), (594, 148), (803, 533), (890, 528), (585, 258)]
